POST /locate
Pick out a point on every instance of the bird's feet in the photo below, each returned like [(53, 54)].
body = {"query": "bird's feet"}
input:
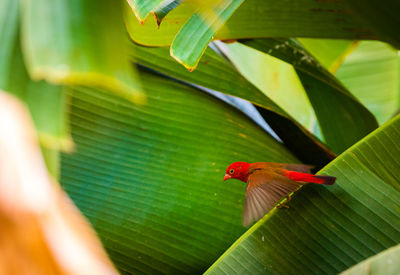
[(283, 204)]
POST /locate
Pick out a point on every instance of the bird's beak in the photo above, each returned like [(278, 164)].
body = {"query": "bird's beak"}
[(226, 177)]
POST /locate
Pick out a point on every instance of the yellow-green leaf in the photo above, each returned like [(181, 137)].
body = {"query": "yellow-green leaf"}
[(371, 73)]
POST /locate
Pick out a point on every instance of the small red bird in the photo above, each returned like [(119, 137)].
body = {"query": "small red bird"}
[(268, 183)]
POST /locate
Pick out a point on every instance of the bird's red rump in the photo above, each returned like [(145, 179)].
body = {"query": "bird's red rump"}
[(297, 176), (327, 180)]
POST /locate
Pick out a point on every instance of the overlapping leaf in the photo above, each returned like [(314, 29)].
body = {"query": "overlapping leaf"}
[(164, 8), (371, 73), (216, 73), (142, 8), (275, 78), (264, 18), (341, 117), (192, 39), (329, 229)]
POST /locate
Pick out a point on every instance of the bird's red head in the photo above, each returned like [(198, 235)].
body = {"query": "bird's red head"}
[(237, 170)]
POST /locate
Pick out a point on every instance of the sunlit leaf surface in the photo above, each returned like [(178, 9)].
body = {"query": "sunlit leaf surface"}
[(330, 52), (277, 79), (371, 73)]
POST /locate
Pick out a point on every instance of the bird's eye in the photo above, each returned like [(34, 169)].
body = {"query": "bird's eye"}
[(231, 171)]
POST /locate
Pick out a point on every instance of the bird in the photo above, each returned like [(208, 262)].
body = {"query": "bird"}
[(269, 182)]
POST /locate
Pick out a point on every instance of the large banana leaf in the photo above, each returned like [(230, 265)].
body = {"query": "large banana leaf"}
[(214, 72), (149, 178), (78, 42), (329, 229), (341, 117), (263, 18), (371, 73)]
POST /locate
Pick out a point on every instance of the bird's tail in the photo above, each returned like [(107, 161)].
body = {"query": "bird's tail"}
[(298, 176)]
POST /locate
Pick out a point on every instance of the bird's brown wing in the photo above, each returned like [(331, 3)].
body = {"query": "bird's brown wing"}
[(264, 190), (303, 168)]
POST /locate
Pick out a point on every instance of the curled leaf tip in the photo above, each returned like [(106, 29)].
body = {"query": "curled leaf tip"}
[(190, 68)]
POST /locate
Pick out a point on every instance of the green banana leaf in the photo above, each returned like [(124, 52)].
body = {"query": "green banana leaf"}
[(371, 73), (214, 72), (329, 229), (149, 178), (259, 18), (78, 42), (142, 8), (342, 118), (329, 52), (386, 262), (275, 78)]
